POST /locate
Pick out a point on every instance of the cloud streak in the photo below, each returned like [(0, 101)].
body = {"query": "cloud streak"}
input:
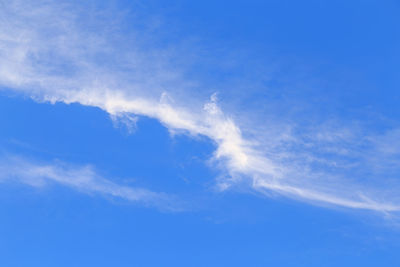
[(61, 62), (82, 178)]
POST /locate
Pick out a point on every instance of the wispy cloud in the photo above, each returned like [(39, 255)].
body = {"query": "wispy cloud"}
[(63, 61), (82, 178)]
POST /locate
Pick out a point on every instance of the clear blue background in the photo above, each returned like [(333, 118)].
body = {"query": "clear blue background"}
[(330, 59)]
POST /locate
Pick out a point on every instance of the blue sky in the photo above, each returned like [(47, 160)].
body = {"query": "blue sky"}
[(199, 133)]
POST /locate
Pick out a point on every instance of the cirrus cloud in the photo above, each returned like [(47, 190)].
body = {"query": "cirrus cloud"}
[(50, 54)]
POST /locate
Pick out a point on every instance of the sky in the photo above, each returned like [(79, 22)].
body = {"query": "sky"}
[(199, 133)]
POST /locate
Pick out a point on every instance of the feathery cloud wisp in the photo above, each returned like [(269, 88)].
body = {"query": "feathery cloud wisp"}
[(63, 62), (82, 178)]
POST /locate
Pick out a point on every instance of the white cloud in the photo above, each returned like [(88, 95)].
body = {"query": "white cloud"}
[(82, 178), (61, 61)]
